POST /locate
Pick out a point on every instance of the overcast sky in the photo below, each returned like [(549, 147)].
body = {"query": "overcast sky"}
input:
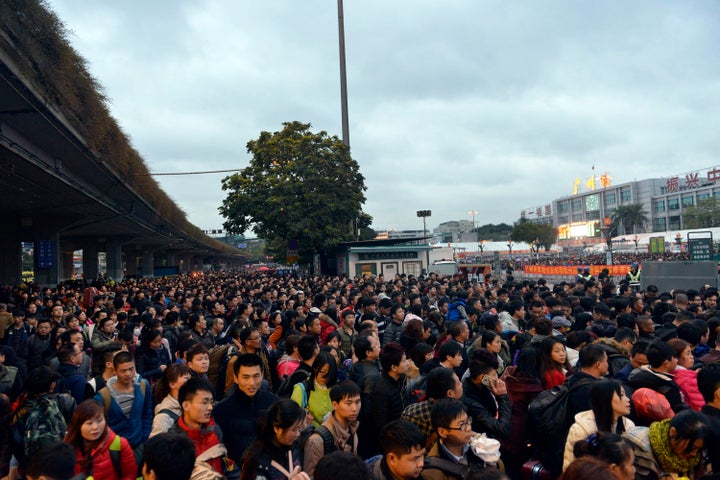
[(454, 105)]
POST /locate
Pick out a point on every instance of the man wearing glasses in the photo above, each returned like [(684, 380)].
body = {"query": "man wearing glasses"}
[(196, 399), (449, 457)]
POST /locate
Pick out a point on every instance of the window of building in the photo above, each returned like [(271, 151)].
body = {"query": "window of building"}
[(625, 196), (577, 204), (703, 196), (577, 217), (659, 205), (673, 203), (610, 198), (688, 201), (563, 220), (594, 215), (562, 207), (659, 224), (674, 223)]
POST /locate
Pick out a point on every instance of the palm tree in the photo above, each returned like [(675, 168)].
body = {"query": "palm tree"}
[(631, 215)]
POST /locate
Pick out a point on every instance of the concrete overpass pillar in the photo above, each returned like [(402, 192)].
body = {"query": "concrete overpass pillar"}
[(47, 259), (67, 267), (90, 260), (113, 255), (10, 256), (148, 262), (131, 267)]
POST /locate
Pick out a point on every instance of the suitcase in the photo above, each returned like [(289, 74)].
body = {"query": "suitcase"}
[(534, 470)]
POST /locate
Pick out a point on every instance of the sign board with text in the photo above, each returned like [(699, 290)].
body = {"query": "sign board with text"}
[(700, 246)]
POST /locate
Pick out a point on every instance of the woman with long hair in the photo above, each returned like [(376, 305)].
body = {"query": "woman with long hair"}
[(610, 407), (553, 362), (93, 441), (314, 393), (275, 453), (523, 385), (168, 410), (151, 357)]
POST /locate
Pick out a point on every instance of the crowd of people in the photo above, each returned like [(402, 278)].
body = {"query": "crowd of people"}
[(253, 375)]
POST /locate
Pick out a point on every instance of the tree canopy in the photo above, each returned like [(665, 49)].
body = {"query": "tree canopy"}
[(492, 232), (300, 187), (706, 214), (627, 218), (527, 231)]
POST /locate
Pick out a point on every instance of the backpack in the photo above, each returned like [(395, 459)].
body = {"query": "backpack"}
[(548, 423), (453, 312), (415, 392), (286, 386), (107, 396), (329, 445), (219, 358), (44, 425), (115, 447)]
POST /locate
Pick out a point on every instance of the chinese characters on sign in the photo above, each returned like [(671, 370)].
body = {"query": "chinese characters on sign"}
[(537, 212), (692, 180)]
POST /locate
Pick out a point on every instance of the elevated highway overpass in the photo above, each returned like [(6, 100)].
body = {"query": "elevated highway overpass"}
[(59, 192)]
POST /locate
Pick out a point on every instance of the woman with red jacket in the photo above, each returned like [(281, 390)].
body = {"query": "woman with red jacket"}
[(99, 452)]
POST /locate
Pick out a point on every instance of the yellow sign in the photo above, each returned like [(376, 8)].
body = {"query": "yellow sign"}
[(605, 181)]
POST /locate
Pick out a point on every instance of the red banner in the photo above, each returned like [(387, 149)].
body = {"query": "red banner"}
[(615, 270)]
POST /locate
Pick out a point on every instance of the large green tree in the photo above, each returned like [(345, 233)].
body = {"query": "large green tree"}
[(527, 231), (492, 232), (706, 214), (627, 218), (299, 186)]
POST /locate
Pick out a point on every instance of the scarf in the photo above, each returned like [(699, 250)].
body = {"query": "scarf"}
[(667, 459)]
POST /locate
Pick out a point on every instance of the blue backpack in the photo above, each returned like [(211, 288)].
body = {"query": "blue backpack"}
[(453, 314)]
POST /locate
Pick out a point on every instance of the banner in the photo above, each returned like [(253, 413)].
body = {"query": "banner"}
[(615, 270)]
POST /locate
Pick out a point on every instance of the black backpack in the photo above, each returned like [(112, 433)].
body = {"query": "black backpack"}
[(286, 386), (329, 445), (548, 423)]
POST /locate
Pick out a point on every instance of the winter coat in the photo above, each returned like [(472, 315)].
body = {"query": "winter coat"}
[(163, 420), (522, 390), (584, 425), (207, 441), (618, 355), (392, 332), (102, 465), (489, 415), (148, 361), (237, 416), (687, 381), (135, 428), (509, 324), (387, 402)]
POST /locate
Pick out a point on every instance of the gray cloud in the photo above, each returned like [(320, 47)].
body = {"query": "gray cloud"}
[(454, 105)]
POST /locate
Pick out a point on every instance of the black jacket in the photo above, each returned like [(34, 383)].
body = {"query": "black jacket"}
[(237, 417), (487, 416), (579, 398), (387, 400)]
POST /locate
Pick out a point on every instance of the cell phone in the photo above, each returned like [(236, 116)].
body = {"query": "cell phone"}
[(487, 381)]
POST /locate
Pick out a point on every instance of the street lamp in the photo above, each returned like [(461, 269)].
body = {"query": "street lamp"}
[(509, 245), (473, 213), (635, 239), (424, 214)]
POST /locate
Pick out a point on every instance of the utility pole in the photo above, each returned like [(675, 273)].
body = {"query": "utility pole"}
[(343, 76)]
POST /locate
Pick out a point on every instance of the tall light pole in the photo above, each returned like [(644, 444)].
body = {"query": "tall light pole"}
[(343, 76), (424, 214), (473, 213)]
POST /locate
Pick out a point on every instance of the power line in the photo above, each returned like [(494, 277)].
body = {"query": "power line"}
[(152, 174)]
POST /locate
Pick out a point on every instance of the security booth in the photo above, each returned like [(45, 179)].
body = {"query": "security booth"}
[(386, 259)]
